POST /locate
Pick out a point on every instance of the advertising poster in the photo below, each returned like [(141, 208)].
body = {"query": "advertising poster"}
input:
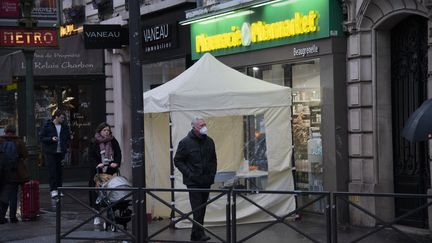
[(9, 9), (45, 9), (42, 9)]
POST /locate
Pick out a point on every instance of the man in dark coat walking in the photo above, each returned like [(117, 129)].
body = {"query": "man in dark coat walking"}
[(55, 137), (196, 160)]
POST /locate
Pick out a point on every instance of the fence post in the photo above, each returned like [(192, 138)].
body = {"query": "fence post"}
[(143, 233), (234, 217), (228, 216), (328, 209), (334, 217), (58, 216)]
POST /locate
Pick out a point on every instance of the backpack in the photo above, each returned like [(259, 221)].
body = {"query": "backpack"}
[(10, 155)]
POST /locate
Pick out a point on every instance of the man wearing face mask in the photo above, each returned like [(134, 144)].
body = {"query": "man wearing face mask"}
[(196, 160)]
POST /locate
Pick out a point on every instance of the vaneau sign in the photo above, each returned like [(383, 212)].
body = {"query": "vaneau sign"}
[(104, 36), (265, 25)]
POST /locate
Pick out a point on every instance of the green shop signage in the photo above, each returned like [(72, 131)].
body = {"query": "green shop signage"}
[(269, 24)]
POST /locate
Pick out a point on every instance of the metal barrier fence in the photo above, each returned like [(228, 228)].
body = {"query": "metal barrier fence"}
[(67, 235), (345, 197), (186, 215), (331, 201), (281, 219)]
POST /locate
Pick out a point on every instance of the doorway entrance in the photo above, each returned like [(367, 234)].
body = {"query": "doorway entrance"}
[(408, 84)]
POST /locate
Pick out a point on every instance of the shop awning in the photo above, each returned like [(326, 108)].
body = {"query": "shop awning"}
[(70, 59)]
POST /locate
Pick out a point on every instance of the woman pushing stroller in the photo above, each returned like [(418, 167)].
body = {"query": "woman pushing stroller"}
[(104, 157)]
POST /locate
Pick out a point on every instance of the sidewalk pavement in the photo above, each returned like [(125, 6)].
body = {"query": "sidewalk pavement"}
[(43, 229)]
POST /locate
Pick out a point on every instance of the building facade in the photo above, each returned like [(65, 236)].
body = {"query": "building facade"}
[(388, 63), (386, 79), (166, 54), (367, 80), (66, 77), (352, 88), (286, 43)]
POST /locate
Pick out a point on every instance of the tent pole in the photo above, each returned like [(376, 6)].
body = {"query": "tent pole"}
[(171, 168)]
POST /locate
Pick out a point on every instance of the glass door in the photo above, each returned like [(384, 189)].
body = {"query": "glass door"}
[(75, 101)]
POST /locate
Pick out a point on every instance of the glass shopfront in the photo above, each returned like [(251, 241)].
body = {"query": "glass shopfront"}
[(70, 78), (78, 104), (83, 101), (8, 114), (304, 79), (155, 74), (298, 44)]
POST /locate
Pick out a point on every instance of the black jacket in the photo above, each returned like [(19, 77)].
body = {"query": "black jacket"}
[(49, 131), (196, 160), (95, 156)]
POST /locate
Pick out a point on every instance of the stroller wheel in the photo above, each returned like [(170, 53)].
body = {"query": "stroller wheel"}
[(113, 228)]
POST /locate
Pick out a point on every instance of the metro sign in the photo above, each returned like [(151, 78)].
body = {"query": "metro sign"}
[(23, 37)]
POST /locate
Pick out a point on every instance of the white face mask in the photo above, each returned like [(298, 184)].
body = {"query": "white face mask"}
[(203, 131)]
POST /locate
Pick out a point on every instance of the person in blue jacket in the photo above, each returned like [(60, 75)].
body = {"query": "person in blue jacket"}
[(55, 138)]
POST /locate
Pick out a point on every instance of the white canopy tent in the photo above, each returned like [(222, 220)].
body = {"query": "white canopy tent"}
[(223, 96)]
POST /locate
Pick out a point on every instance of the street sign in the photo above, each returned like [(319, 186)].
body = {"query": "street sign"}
[(25, 37), (105, 36)]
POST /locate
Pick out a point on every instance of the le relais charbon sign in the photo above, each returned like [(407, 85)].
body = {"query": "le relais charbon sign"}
[(273, 24)]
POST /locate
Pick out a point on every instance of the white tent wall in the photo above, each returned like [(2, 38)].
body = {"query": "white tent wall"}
[(226, 131), (157, 160), (157, 156)]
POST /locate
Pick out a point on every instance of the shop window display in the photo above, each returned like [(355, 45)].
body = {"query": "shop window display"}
[(249, 169), (75, 102), (304, 80), (255, 152)]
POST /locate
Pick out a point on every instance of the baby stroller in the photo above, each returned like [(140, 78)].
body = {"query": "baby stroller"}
[(118, 207)]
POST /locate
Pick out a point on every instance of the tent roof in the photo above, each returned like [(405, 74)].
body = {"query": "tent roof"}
[(211, 85)]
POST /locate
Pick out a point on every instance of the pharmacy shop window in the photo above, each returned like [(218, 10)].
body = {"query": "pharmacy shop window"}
[(304, 80)]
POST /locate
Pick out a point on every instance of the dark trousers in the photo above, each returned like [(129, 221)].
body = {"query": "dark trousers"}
[(10, 193), (13, 194), (55, 170), (197, 199), (93, 195), (3, 210)]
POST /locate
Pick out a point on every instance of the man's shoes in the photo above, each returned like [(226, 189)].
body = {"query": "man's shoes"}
[(3, 221), (205, 238), (202, 238), (54, 193), (13, 220)]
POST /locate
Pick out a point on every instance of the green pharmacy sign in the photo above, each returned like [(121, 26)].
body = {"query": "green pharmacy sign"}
[(268, 24)]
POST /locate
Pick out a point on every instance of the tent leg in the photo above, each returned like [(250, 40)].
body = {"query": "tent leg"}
[(171, 169)]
